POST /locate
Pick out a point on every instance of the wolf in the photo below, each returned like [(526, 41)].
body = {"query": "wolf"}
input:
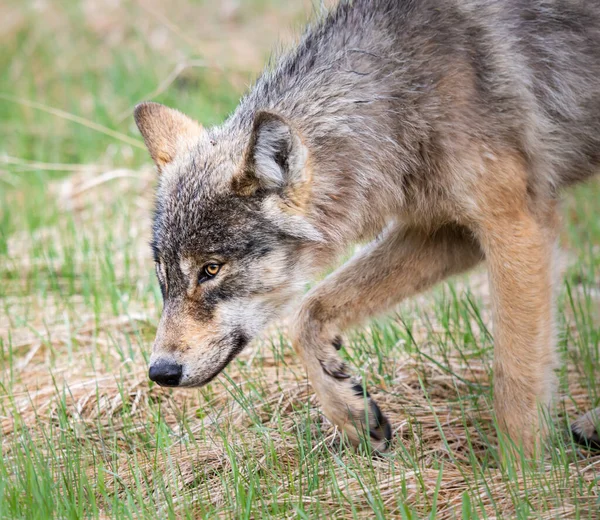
[(440, 133)]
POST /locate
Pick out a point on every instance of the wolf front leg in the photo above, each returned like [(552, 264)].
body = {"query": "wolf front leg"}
[(400, 264), (519, 247)]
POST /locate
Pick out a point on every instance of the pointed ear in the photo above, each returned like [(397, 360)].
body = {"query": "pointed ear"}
[(276, 157), (164, 130)]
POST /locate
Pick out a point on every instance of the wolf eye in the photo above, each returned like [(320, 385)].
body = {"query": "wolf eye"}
[(211, 270)]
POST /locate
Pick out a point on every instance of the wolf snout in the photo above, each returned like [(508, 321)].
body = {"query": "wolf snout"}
[(165, 373)]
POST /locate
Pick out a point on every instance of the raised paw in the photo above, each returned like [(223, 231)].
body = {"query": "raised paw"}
[(357, 415), (586, 430), (343, 400)]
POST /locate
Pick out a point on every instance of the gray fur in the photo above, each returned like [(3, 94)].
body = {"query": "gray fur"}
[(363, 90), (378, 119)]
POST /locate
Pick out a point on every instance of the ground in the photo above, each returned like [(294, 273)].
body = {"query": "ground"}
[(85, 434)]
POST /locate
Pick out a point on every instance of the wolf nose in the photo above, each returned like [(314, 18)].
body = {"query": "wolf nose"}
[(165, 373)]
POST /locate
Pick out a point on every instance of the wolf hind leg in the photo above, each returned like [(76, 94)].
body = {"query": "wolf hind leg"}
[(401, 264)]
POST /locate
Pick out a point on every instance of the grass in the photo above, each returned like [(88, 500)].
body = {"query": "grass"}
[(84, 433)]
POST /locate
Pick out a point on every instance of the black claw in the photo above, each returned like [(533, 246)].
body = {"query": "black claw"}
[(337, 342), (382, 432), (592, 442), (380, 419), (359, 390), (382, 426), (387, 432)]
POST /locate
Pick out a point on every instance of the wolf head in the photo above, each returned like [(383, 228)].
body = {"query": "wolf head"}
[(230, 236)]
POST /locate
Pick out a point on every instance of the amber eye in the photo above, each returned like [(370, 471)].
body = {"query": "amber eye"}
[(211, 270)]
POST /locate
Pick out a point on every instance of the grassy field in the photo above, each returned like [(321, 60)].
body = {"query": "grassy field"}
[(85, 434)]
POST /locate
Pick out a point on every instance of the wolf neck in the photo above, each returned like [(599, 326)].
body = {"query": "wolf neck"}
[(352, 136)]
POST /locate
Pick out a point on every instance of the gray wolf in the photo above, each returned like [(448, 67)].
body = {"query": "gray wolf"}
[(440, 130)]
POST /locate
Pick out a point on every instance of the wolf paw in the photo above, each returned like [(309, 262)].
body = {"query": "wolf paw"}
[(585, 430), (358, 416), (369, 418), (344, 401)]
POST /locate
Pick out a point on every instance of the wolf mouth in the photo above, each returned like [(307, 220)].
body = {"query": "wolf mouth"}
[(240, 340)]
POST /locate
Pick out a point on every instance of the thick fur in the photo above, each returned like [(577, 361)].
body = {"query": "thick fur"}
[(441, 129)]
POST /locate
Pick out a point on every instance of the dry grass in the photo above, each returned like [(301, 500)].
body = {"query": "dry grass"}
[(84, 433)]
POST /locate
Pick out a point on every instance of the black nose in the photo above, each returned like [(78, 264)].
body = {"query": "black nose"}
[(165, 373)]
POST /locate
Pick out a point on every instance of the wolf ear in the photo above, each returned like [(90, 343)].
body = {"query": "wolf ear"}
[(276, 157), (164, 130)]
